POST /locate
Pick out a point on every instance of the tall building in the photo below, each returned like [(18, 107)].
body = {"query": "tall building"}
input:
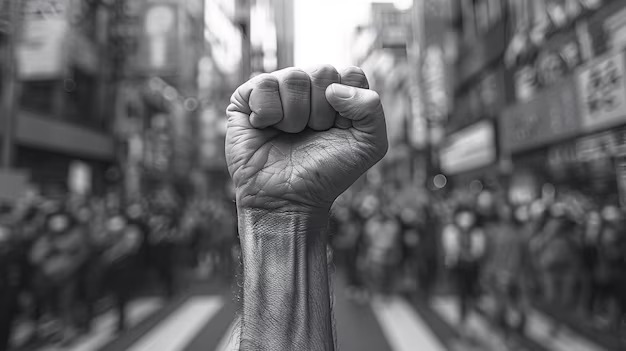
[(469, 153), (538, 98), (60, 121), (432, 56), (380, 49), (158, 101), (564, 126), (284, 18), (271, 35)]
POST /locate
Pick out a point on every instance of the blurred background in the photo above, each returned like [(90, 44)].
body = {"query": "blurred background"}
[(495, 222)]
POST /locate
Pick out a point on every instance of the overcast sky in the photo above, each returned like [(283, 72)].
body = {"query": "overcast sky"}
[(324, 28)]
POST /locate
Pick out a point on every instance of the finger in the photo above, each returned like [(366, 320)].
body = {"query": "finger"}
[(265, 106), (354, 77), (361, 106), (295, 95), (322, 114)]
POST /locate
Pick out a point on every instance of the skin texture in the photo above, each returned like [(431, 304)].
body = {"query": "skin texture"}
[(296, 139)]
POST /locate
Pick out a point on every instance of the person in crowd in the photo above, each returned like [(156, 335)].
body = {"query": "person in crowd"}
[(58, 256), (162, 242), (537, 219), (196, 229), (119, 257), (611, 266), (408, 219), (590, 256), (348, 244), (138, 218), (464, 249), (11, 281), (427, 251), (559, 260), (505, 269), (89, 274), (225, 236), (28, 223), (384, 250)]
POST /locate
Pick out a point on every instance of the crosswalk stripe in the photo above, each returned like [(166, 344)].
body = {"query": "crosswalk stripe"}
[(175, 332), (538, 328), (104, 326), (230, 340), (565, 340), (475, 324), (402, 326)]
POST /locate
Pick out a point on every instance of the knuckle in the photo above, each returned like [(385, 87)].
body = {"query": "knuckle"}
[(324, 75), (353, 70), (354, 76), (267, 82), (297, 80)]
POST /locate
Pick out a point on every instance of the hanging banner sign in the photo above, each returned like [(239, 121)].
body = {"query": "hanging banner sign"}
[(550, 115), (603, 92)]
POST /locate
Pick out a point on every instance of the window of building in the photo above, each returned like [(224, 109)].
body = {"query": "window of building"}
[(39, 96), (80, 98)]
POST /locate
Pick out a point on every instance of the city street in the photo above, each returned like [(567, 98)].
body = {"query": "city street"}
[(460, 166), (205, 319)]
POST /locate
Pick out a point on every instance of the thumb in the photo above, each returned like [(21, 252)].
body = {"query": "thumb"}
[(361, 106)]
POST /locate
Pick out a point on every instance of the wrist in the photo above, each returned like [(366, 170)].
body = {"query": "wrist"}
[(264, 202), (285, 274), (283, 219)]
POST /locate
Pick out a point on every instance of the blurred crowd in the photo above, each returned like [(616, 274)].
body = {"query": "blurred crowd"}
[(564, 253), (62, 259)]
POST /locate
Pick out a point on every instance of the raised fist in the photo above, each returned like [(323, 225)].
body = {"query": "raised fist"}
[(297, 139)]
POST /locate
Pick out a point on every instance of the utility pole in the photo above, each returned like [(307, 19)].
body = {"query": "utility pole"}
[(9, 85)]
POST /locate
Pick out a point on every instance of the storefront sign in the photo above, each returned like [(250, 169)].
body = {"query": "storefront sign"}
[(436, 92), (158, 52), (552, 114), (603, 92), (592, 161), (79, 178), (42, 47), (469, 149)]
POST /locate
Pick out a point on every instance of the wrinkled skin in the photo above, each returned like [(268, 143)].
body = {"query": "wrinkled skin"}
[(295, 142)]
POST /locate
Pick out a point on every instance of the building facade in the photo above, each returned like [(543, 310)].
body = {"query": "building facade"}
[(60, 121), (537, 96), (563, 128)]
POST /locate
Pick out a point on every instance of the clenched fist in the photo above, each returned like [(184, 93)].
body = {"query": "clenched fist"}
[(297, 139)]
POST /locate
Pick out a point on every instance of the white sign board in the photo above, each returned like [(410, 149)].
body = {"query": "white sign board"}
[(42, 47), (79, 178), (603, 92), (469, 149)]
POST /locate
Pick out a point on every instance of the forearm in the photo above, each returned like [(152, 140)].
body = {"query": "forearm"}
[(286, 297)]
